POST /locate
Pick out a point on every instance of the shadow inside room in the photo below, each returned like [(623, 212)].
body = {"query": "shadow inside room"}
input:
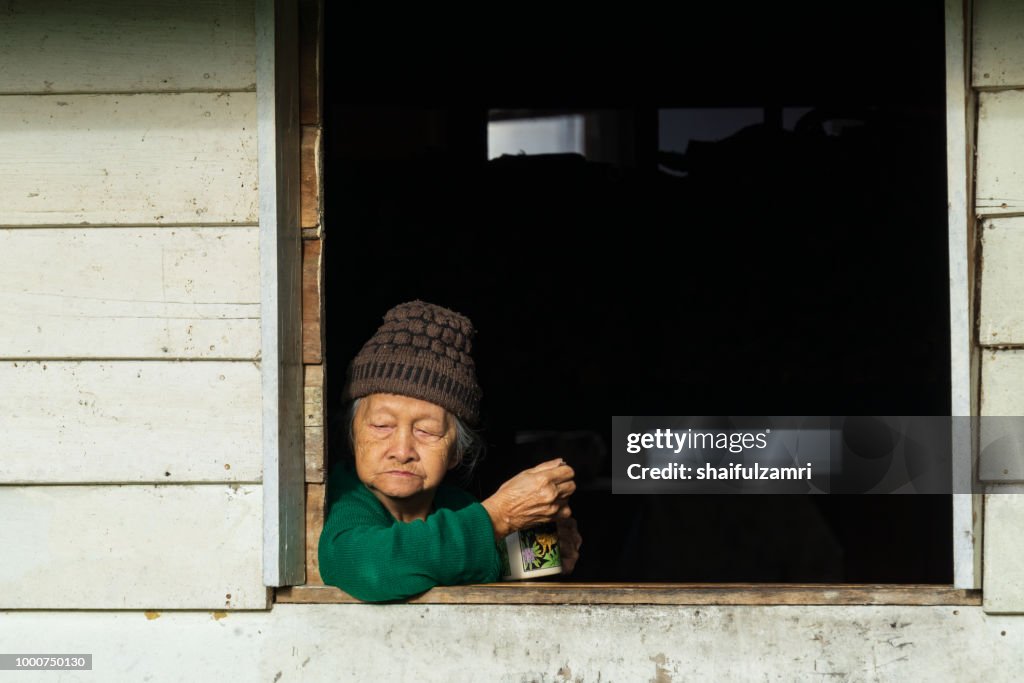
[(796, 265)]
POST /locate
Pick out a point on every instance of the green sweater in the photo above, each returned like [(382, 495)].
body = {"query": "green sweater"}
[(372, 556)]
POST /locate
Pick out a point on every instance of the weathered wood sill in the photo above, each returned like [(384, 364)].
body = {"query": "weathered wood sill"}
[(562, 593)]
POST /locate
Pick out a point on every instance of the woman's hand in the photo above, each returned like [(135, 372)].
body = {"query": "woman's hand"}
[(569, 541), (534, 496)]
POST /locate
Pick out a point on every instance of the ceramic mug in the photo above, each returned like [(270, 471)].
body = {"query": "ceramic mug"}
[(531, 553)]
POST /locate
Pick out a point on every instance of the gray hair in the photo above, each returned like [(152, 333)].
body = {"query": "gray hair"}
[(467, 449)]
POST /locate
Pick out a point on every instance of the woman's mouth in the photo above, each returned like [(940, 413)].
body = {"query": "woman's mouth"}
[(400, 473)]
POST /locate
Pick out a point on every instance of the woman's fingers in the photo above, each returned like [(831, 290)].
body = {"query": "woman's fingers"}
[(534, 496), (557, 462), (566, 488), (554, 470)]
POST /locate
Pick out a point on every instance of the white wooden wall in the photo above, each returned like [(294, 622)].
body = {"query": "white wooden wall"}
[(130, 414), (543, 644), (997, 78)]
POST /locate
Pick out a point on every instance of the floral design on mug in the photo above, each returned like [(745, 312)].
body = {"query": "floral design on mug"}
[(539, 548)]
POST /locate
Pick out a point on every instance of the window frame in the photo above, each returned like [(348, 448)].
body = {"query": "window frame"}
[(294, 480)]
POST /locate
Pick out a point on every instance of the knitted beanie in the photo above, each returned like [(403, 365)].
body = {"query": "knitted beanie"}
[(422, 350)]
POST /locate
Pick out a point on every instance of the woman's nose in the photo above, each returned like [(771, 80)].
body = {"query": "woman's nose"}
[(403, 446)]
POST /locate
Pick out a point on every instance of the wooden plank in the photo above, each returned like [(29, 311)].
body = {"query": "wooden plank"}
[(1000, 174), (1004, 553), (127, 46), (550, 593), (961, 106), (131, 547), (310, 168), (1002, 402), (311, 49), (129, 421), (998, 54), (579, 644), (284, 494), (314, 526), (312, 341), (129, 159), (314, 422), (314, 405), (313, 376), (1002, 282), (129, 293), (314, 452), (1002, 375)]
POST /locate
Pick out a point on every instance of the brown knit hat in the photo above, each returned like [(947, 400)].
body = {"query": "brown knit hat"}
[(422, 350)]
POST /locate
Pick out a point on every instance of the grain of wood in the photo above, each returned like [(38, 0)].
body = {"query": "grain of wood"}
[(1004, 554), (1002, 376), (1000, 173), (312, 305), (311, 341), (127, 46), (314, 454), (131, 547), (961, 121), (309, 164), (552, 593), (130, 421), (998, 54), (129, 293), (1002, 282), (310, 59), (313, 375), (314, 406), (314, 432), (314, 526), (281, 296), (187, 158)]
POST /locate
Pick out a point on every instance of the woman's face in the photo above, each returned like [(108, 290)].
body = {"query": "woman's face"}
[(402, 446)]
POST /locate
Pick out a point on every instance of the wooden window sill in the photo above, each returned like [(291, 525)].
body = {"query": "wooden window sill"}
[(562, 593)]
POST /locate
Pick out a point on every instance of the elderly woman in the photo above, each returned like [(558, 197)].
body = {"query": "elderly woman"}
[(394, 528)]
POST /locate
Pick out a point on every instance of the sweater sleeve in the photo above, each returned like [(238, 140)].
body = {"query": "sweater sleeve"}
[(368, 554)]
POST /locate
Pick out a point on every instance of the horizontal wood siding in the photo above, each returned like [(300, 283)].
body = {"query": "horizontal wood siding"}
[(1000, 174), (127, 46), (1002, 282), (129, 293), (998, 56), (131, 547), (129, 159), (1002, 376), (130, 421), (1004, 570)]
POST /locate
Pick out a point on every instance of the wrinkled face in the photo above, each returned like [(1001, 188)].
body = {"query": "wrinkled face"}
[(402, 446)]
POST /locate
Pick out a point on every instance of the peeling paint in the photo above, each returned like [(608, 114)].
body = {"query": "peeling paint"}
[(661, 674), (152, 615)]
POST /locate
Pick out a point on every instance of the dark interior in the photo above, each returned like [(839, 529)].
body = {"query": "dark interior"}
[(777, 271)]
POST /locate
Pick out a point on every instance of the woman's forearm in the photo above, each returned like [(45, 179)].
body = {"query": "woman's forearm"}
[(377, 563)]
